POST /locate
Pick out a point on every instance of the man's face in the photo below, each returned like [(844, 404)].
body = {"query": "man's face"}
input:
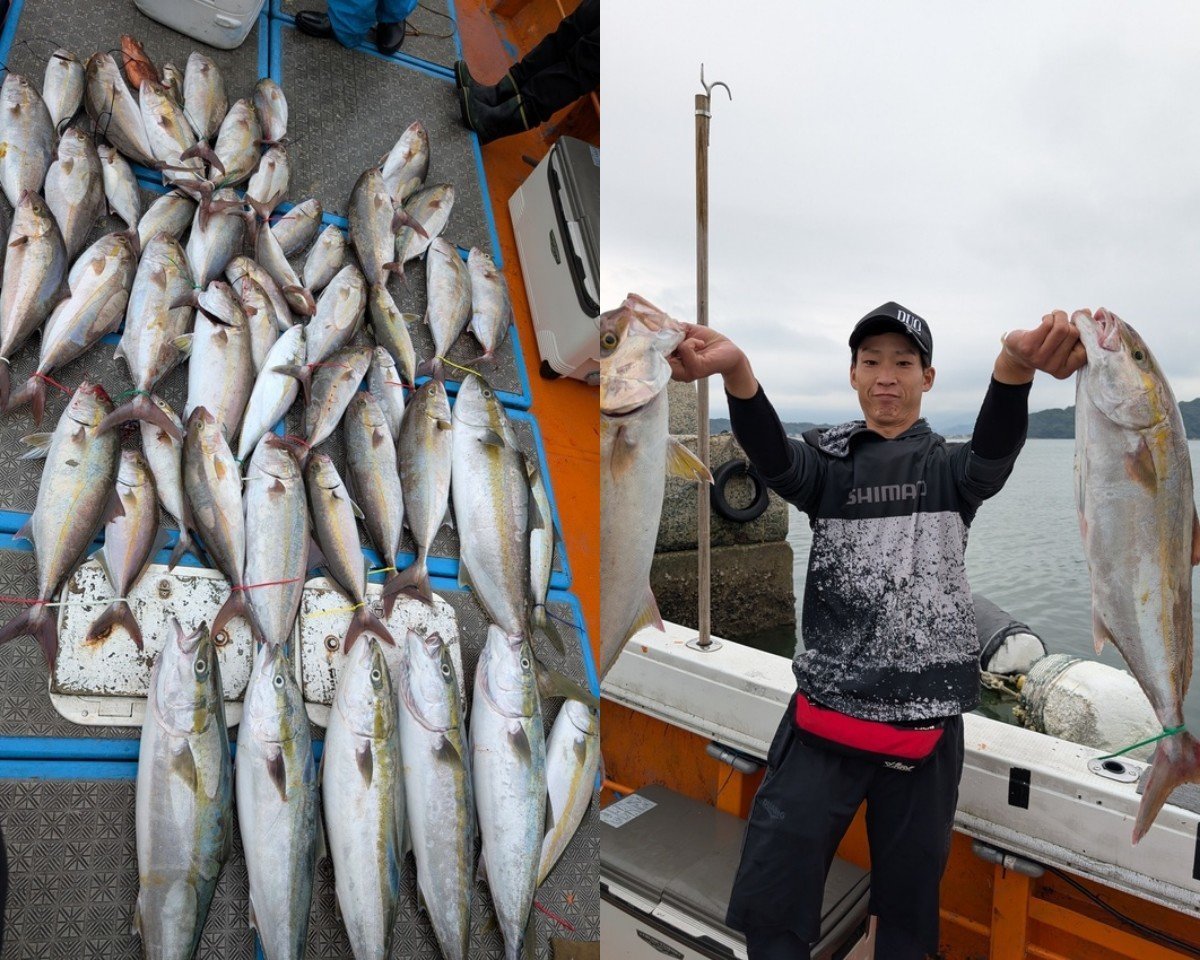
[(889, 379)]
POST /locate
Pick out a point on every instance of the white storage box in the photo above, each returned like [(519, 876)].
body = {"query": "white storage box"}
[(556, 219), (223, 23)]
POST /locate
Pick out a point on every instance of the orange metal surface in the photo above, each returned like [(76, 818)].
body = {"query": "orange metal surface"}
[(567, 411), (1010, 915)]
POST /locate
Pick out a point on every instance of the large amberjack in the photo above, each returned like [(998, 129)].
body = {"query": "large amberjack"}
[(636, 453), (1138, 520)]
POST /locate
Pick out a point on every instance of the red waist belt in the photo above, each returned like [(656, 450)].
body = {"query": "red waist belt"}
[(865, 737)]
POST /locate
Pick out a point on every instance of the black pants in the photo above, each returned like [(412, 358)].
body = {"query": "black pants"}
[(564, 66), (799, 816)]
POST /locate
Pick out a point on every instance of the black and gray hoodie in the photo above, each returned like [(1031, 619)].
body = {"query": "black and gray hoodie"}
[(888, 624)]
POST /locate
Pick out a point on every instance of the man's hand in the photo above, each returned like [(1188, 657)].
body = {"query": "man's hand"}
[(705, 352), (1054, 347)]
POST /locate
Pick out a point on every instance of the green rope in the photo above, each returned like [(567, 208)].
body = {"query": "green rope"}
[(1167, 732), (133, 393)]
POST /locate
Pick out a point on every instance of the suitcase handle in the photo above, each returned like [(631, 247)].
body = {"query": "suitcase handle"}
[(574, 262)]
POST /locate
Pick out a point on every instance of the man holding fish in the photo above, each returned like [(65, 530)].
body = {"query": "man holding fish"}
[(890, 660)]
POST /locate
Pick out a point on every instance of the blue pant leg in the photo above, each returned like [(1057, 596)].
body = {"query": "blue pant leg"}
[(394, 11), (351, 19)]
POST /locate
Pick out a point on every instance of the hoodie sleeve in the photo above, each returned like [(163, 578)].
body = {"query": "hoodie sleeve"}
[(789, 467), (986, 462)]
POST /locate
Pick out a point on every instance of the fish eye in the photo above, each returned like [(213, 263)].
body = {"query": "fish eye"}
[(524, 663), (376, 676), (201, 666), (1139, 355), (487, 394), (608, 340), (279, 681), (445, 670)]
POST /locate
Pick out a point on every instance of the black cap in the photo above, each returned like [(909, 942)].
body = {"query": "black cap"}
[(893, 318)]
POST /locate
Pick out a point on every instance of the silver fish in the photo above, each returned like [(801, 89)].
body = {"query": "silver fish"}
[(437, 786), (336, 532), (100, 282), (62, 87), (171, 137), (572, 761), (390, 328), (120, 185), (204, 97), (362, 789), (406, 165), (237, 145), (215, 239), (508, 772), (171, 213), (541, 553), (272, 258), (114, 110), (75, 497), (383, 382), (269, 183), (277, 538), (26, 136), (375, 481), (1140, 532), (221, 369), (636, 452), (129, 540), (75, 188), (272, 110), (426, 452), (373, 222), (240, 267), (274, 392), (34, 272), (277, 805), (260, 314), (333, 387), (172, 79), (448, 304), (339, 311), (490, 490), (212, 485), (155, 321), (184, 807), (297, 228), (325, 259), (491, 306), (431, 208), (164, 455)]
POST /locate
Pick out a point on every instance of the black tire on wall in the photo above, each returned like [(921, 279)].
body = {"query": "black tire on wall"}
[(731, 470)]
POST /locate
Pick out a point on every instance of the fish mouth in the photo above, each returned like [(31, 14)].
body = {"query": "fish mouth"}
[(1108, 330)]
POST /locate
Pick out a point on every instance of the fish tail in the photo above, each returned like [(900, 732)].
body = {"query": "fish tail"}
[(118, 613), (391, 590), (238, 605), (36, 622), (1176, 761), (185, 544), (364, 621), (141, 408), (32, 391), (539, 621), (433, 367), (413, 581)]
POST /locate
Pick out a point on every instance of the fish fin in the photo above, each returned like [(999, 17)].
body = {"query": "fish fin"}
[(184, 345), (553, 684), (114, 508), (253, 919), (624, 453), (303, 374), (1139, 466), (492, 439), (682, 463), (364, 762), (464, 576), (1176, 761), (357, 510), (391, 591), (413, 581), (421, 905), (141, 408), (277, 772), (26, 531), (183, 764), (118, 613), (237, 605), (1100, 632), (37, 623), (545, 626), (39, 445), (519, 740), (447, 752), (365, 621), (648, 615), (183, 545)]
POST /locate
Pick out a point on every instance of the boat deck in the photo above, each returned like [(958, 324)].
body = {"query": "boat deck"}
[(66, 791)]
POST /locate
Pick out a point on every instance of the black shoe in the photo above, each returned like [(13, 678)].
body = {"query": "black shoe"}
[(315, 24), (389, 37), (505, 89), (491, 122)]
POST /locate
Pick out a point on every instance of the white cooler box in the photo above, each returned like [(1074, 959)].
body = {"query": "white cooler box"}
[(556, 219), (222, 23), (667, 864)]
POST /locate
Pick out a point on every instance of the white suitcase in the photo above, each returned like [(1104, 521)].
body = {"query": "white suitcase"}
[(556, 219), (223, 23)]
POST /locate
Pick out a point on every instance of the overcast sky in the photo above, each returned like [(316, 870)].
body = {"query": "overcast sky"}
[(980, 164)]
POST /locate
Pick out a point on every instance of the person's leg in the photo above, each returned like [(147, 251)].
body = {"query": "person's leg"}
[(910, 821), (563, 82), (799, 815), (777, 945), (351, 20), (391, 16)]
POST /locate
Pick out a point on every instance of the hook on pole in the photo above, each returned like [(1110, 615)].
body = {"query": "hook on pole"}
[(709, 87)]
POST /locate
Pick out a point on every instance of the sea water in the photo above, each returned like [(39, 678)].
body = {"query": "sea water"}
[(1024, 553)]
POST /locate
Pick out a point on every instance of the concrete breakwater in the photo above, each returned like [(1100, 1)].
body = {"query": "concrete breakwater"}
[(752, 563)]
